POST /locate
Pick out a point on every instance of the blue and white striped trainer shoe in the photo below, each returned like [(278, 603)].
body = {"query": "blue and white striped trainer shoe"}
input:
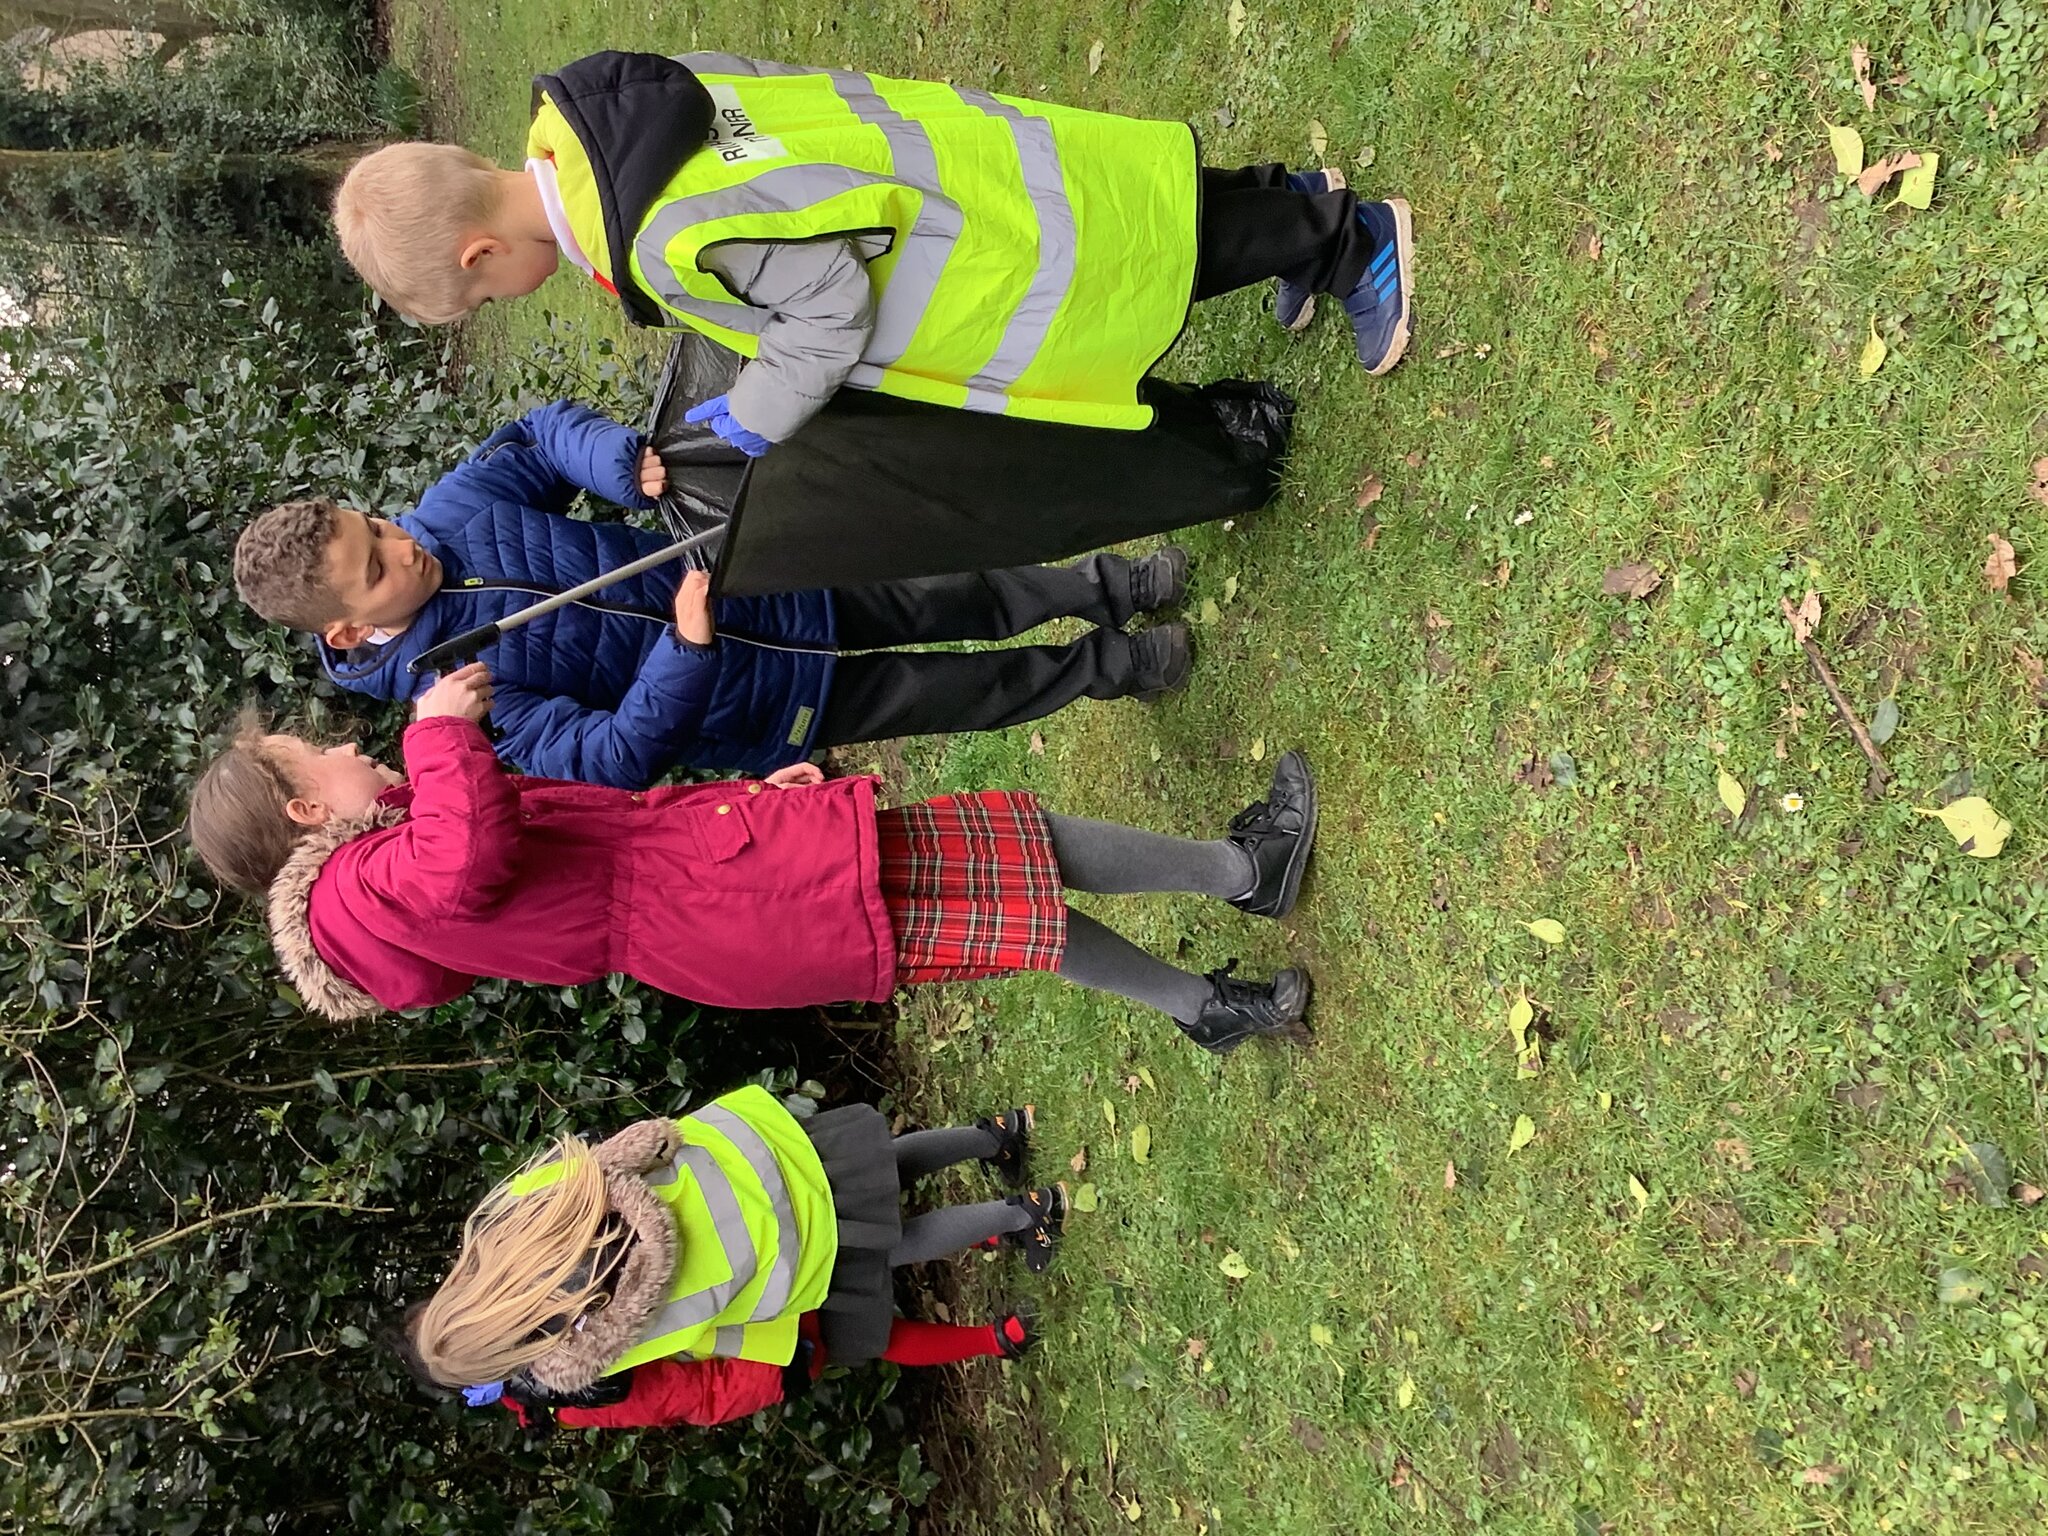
[(1380, 305), (1293, 305)]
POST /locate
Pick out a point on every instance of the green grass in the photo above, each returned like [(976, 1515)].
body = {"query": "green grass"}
[(1784, 1031)]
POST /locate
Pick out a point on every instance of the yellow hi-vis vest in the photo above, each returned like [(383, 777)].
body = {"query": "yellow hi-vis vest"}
[(755, 1235), (1027, 259)]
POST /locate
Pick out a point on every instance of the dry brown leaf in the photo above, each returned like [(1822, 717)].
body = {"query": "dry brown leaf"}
[(1636, 579), (1370, 489), (1594, 246), (1434, 622), (2027, 1194), (1872, 181), (1806, 617), (1372, 534), (1820, 1476), (1772, 153), (1859, 60), (1450, 1174), (1745, 1383), (1341, 40), (1402, 1467), (2039, 489), (1501, 573), (1415, 460), (1735, 1150), (1999, 566), (1037, 744), (1079, 1161), (1197, 1348), (2035, 669)]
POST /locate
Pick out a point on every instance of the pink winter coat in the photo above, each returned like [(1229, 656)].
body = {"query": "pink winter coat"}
[(737, 895)]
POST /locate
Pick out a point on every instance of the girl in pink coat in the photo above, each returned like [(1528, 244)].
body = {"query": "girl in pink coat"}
[(400, 892)]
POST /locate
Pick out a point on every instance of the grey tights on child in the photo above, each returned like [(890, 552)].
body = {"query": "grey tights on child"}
[(951, 1228), (1103, 857)]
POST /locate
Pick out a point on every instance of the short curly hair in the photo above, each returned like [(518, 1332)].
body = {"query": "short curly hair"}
[(281, 564)]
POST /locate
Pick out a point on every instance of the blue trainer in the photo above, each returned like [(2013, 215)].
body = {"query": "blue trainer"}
[(1293, 305), (1379, 306)]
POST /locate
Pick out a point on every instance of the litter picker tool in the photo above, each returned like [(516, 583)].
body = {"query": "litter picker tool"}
[(465, 647)]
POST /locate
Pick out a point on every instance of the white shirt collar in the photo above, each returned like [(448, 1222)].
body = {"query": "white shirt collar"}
[(543, 174)]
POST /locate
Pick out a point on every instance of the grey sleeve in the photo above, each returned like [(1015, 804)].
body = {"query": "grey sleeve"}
[(823, 313)]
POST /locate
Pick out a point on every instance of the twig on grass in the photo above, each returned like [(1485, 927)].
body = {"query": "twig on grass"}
[(1880, 775)]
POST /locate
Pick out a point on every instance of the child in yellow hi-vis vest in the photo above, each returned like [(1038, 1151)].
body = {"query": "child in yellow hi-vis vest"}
[(693, 1271), (941, 244)]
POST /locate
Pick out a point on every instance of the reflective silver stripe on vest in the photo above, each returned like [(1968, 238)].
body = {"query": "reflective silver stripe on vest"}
[(732, 64), (932, 238), (1024, 336), (699, 1307), (728, 1341), (925, 250), (788, 1242)]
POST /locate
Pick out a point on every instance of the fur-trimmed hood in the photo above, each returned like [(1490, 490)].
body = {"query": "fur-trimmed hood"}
[(324, 990), (600, 1337)]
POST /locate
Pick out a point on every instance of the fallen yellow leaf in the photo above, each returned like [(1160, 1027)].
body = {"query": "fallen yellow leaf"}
[(1874, 352), (1523, 1133), (1404, 1395), (1978, 830), (1548, 929), (1237, 17), (1848, 147), (1141, 1143), (1732, 794), (1916, 187), (1233, 1265)]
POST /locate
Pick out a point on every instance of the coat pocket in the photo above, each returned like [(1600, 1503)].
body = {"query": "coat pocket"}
[(721, 831)]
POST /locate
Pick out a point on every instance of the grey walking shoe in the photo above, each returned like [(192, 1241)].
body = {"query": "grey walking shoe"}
[(1160, 580), (1161, 659)]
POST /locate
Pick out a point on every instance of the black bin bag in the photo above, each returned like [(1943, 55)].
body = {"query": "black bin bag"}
[(880, 489)]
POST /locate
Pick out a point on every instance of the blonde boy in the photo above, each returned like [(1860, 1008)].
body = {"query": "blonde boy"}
[(991, 253)]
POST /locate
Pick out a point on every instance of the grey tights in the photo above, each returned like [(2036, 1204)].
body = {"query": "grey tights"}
[(951, 1228)]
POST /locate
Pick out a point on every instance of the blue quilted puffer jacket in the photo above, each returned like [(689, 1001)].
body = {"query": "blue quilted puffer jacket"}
[(602, 690)]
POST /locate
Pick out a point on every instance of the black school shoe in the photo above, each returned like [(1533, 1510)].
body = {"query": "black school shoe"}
[(1011, 1159), (1161, 659), (1279, 832), (1041, 1239), (1238, 1011)]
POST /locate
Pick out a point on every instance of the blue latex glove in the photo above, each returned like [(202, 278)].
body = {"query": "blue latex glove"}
[(717, 413), (485, 1395)]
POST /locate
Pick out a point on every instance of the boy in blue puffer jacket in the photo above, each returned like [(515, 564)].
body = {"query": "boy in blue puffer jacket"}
[(647, 676)]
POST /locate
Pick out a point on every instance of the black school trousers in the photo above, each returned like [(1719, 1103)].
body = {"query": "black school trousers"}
[(1255, 227), (883, 693)]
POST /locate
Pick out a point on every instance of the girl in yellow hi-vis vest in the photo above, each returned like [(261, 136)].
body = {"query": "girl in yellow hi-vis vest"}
[(941, 244), (693, 1271)]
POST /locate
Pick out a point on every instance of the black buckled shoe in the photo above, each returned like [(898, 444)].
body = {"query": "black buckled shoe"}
[(1011, 1160), (1018, 1331), (1160, 580), (1278, 832), (1238, 1011)]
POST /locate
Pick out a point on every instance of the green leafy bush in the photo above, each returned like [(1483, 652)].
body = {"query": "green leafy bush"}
[(213, 1201)]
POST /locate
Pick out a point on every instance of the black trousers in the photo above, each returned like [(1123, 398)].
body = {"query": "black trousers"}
[(886, 693), (1254, 227)]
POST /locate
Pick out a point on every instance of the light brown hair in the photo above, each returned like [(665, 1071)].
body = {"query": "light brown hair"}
[(281, 564), (528, 1269), (238, 823), (402, 214)]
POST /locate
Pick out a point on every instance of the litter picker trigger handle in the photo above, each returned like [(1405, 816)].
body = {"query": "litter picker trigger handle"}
[(449, 654)]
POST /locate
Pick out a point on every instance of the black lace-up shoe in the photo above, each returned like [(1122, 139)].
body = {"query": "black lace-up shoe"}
[(1011, 1159), (1017, 1331), (1160, 580), (1278, 832), (1238, 1011)]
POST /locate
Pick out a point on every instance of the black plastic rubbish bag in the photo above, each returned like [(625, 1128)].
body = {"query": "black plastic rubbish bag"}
[(879, 489)]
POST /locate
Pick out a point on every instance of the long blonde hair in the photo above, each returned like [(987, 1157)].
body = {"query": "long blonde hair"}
[(528, 1268)]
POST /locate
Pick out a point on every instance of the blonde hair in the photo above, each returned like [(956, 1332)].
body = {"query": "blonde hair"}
[(402, 214), (527, 1270), (238, 823)]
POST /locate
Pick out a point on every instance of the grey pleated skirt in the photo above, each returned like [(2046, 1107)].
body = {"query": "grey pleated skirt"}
[(859, 1154)]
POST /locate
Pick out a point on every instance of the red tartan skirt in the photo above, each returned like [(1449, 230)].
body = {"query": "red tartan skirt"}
[(972, 887)]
